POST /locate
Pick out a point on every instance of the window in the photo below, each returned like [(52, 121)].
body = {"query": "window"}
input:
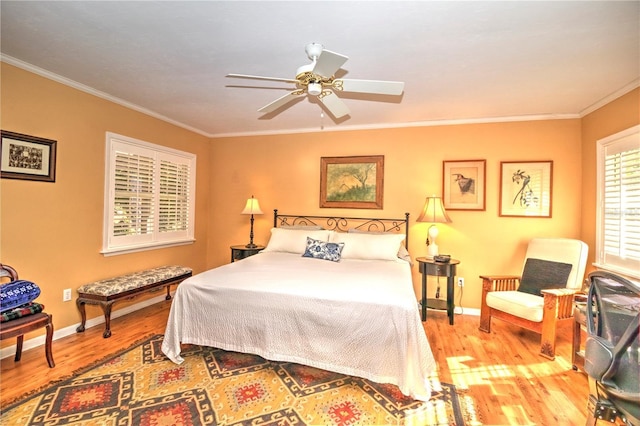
[(618, 214), (150, 196)]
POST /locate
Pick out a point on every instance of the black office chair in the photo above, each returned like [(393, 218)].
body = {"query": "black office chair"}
[(612, 349)]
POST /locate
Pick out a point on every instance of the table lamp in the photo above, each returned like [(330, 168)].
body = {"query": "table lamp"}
[(433, 212), (252, 207)]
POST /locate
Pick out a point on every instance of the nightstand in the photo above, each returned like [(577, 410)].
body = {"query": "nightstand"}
[(439, 269), (240, 252)]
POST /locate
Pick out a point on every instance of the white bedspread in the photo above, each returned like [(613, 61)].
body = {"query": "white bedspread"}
[(355, 317)]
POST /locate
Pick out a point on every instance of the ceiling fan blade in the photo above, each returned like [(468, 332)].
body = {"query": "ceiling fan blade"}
[(335, 105), (371, 86), (328, 63), (259, 77), (289, 97), (240, 86)]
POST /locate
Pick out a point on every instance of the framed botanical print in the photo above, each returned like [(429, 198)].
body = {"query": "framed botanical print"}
[(526, 188)]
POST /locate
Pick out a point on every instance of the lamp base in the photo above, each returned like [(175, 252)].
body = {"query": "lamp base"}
[(251, 245)]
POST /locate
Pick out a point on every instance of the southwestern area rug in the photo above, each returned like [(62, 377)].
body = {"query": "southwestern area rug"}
[(140, 386)]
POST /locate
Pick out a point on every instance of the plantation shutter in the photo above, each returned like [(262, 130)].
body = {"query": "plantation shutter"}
[(133, 212), (620, 227), (174, 196), (149, 196)]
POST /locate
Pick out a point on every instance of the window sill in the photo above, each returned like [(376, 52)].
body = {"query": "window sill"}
[(127, 250), (625, 273)]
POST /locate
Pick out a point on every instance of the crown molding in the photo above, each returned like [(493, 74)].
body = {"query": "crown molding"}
[(432, 123), (90, 90), (610, 98)]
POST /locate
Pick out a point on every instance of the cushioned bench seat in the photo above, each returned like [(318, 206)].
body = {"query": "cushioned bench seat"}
[(106, 292)]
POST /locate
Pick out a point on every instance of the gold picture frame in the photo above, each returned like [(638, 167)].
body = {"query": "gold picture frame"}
[(526, 188), (27, 157), (352, 182), (464, 184)]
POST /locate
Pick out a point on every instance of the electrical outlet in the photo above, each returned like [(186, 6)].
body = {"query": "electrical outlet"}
[(460, 282), (66, 294)]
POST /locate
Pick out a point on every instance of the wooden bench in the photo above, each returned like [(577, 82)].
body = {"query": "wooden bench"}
[(106, 292)]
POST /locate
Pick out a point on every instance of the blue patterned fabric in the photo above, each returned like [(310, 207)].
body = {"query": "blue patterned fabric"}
[(323, 250), (17, 293)]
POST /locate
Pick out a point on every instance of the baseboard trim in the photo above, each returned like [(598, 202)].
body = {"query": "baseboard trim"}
[(459, 310), (10, 351)]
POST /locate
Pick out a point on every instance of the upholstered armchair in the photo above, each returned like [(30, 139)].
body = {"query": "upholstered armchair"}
[(541, 298)]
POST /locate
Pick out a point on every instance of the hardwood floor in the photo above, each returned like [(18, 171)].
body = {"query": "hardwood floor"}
[(509, 383)]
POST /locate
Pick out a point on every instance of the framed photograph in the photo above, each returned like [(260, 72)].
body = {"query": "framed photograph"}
[(27, 157), (526, 188), (352, 182), (464, 184)]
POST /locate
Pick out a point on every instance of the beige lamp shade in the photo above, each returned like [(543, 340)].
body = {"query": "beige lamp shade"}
[(433, 211), (252, 207)]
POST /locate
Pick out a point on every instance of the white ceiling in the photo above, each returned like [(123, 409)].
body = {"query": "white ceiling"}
[(460, 61)]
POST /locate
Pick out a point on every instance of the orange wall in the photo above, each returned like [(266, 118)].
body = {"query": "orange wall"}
[(283, 172), (52, 232), (612, 118)]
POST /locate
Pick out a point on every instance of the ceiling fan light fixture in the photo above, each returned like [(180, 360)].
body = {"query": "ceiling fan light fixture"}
[(314, 88)]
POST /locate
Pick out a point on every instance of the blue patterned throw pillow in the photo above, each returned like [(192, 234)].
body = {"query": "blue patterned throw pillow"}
[(323, 250), (17, 293)]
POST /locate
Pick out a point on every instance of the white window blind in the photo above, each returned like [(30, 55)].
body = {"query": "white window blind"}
[(174, 197), (133, 201), (150, 196), (618, 236)]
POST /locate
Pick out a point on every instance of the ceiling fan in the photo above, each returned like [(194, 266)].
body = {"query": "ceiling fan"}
[(317, 79)]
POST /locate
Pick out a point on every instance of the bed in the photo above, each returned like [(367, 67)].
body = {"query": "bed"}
[(330, 292)]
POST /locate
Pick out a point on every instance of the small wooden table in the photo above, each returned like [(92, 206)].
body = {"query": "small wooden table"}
[(579, 324), (439, 269), (240, 252)]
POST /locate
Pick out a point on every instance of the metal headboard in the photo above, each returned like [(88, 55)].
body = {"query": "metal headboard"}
[(343, 224)]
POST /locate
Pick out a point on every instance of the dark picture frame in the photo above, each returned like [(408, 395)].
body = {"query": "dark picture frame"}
[(464, 184), (27, 157), (526, 188), (352, 182)]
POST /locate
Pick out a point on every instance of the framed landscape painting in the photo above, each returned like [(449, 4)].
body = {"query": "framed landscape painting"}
[(464, 184), (526, 188), (27, 157), (352, 182)]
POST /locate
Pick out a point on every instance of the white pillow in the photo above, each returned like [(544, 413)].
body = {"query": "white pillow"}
[(294, 240), (403, 253), (369, 246)]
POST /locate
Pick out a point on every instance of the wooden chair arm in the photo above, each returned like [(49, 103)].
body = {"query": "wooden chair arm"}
[(560, 292), (560, 300), (500, 282)]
